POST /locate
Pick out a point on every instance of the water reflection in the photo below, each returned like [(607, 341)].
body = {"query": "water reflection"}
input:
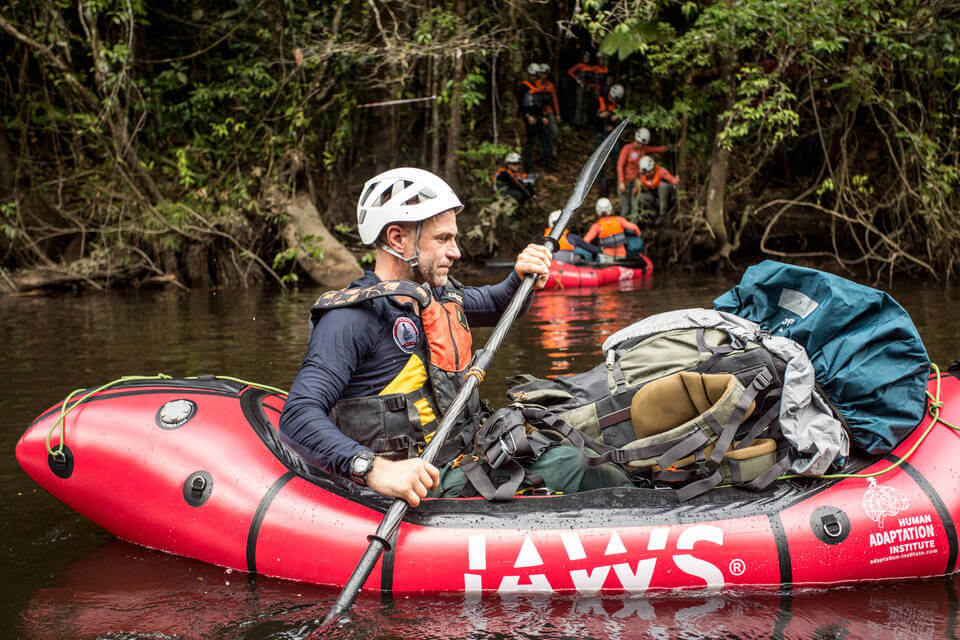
[(119, 590), (570, 322)]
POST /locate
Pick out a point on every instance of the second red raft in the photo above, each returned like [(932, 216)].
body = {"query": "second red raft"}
[(564, 275)]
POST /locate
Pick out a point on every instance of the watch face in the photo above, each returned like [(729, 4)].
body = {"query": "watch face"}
[(360, 465)]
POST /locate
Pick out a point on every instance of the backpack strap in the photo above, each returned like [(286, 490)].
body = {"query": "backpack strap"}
[(479, 477), (613, 367), (716, 352)]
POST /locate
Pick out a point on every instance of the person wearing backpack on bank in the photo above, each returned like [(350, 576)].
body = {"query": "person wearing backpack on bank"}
[(551, 114), (657, 188), (611, 231), (388, 354)]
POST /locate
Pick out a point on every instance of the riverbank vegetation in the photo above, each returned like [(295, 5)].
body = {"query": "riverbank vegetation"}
[(142, 143)]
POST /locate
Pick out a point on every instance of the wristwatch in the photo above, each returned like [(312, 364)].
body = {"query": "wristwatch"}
[(360, 466)]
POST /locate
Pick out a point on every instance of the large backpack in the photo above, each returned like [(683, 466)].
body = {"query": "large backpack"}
[(867, 353), (789, 407)]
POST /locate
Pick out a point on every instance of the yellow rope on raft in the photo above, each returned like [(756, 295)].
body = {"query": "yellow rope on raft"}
[(65, 410)]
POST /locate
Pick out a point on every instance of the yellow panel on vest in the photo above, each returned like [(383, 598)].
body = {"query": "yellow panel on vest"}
[(426, 411), (412, 377)]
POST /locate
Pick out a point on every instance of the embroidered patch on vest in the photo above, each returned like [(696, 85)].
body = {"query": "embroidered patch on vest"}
[(405, 334)]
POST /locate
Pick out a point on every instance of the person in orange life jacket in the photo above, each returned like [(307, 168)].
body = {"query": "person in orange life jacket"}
[(573, 248), (628, 170), (579, 74), (551, 112), (388, 354), (598, 77), (658, 188), (530, 106), (512, 181), (604, 120), (610, 230)]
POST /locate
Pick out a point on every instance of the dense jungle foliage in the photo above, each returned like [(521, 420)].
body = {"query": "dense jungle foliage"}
[(143, 140)]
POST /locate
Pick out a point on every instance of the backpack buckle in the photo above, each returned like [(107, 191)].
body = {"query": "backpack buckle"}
[(763, 379)]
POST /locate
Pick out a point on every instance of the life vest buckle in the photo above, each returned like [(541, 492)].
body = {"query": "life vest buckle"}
[(396, 403)]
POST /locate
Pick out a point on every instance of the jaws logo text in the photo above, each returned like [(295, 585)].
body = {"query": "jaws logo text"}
[(632, 577)]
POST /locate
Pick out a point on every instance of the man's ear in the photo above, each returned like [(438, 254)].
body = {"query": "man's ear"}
[(395, 237)]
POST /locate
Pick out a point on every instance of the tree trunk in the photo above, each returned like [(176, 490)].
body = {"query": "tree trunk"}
[(719, 169), (435, 113), (453, 133), (716, 187), (337, 268), (456, 104), (8, 166)]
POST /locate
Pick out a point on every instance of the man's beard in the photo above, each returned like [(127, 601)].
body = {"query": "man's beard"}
[(430, 274)]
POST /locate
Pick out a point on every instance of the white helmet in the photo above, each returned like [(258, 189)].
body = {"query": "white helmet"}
[(553, 218), (512, 158), (647, 163), (405, 194), (642, 135), (544, 67), (533, 68), (616, 91), (604, 206)]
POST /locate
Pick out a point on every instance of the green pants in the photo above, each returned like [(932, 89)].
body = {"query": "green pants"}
[(559, 466)]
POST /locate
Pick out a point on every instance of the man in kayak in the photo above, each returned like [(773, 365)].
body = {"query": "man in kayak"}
[(611, 231), (387, 356)]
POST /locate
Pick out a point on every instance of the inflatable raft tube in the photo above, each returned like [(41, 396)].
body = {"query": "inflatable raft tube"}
[(570, 276), (195, 468)]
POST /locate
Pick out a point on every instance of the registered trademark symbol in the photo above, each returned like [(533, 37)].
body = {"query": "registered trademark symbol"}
[(737, 567)]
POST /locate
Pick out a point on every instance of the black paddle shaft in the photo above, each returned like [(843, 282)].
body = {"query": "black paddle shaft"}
[(481, 361)]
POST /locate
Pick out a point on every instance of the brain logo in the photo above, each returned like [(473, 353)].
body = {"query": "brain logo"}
[(880, 502)]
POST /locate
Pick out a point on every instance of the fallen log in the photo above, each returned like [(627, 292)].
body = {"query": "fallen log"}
[(304, 231)]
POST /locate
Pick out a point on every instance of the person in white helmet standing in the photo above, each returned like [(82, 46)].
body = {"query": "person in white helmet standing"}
[(530, 102), (628, 170), (387, 355)]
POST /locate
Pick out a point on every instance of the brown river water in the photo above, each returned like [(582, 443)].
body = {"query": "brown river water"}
[(62, 577)]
